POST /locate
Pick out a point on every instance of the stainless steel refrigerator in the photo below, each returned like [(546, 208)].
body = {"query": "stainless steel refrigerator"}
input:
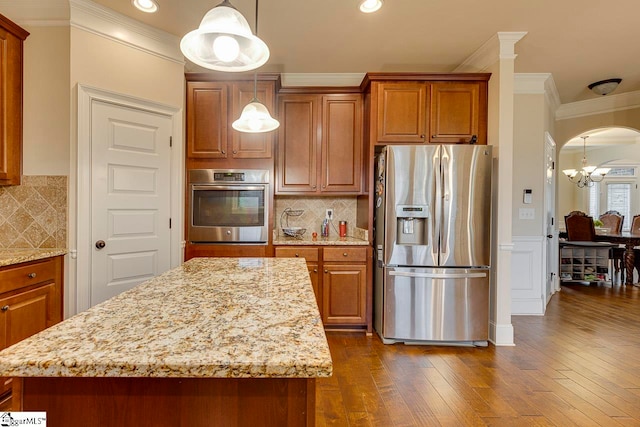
[(432, 244)]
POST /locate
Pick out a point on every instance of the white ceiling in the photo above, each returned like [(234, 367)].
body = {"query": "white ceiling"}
[(578, 41)]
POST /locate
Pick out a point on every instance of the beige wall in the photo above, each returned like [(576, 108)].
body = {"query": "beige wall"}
[(569, 128), (105, 64), (528, 161), (46, 101), (569, 196)]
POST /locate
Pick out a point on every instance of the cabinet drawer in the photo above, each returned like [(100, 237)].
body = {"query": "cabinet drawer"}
[(345, 254), (310, 254), (22, 275)]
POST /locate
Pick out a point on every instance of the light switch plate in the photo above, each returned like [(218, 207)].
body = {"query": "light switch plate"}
[(527, 213)]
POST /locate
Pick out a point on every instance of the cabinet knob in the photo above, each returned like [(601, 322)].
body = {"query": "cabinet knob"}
[(326, 271), (422, 136), (433, 136), (297, 255), (31, 275), (223, 152), (315, 270), (345, 254), (5, 308), (235, 152), (313, 186)]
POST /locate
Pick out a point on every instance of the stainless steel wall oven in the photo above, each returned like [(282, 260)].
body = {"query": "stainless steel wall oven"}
[(228, 206)]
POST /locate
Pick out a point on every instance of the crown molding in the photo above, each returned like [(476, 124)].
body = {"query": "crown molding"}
[(322, 79), (538, 83), (104, 22), (604, 104), (499, 46)]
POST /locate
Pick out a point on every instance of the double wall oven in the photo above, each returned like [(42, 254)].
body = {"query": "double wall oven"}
[(228, 206)]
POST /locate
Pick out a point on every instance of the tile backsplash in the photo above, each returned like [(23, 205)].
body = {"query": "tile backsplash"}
[(314, 209), (34, 214)]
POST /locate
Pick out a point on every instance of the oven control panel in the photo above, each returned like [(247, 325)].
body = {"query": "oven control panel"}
[(228, 176)]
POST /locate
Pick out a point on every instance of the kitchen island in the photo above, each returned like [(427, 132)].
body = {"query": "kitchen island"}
[(216, 341)]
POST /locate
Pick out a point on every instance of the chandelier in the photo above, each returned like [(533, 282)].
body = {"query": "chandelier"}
[(586, 176)]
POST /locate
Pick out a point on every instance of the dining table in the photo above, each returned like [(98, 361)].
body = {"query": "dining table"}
[(629, 240)]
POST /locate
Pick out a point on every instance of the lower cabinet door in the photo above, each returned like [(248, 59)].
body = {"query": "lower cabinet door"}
[(25, 314), (344, 290)]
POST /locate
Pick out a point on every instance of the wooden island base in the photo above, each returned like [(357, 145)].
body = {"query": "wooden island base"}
[(184, 402)]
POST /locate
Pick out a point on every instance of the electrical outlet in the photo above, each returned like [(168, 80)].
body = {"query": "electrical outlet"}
[(329, 214)]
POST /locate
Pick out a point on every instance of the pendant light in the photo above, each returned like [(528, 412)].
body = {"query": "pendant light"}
[(224, 42), (586, 176), (255, 117)]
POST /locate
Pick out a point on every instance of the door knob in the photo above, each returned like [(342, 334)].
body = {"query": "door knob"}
[(100, 244), (550, 236)]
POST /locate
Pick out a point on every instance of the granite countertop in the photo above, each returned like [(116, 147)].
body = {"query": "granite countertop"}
[(210, 317), (320, 241), (10, 256)]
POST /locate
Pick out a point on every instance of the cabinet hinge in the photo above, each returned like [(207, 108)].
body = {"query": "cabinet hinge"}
[(553, 166), (169, 222), (170, 141)]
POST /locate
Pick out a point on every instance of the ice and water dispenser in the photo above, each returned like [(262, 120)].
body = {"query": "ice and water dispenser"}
[(412, 224)]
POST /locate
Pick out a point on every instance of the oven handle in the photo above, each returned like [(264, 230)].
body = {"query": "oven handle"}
[(228, 187)]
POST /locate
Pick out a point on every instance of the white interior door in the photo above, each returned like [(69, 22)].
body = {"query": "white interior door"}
[(130, 197), (551, 247)]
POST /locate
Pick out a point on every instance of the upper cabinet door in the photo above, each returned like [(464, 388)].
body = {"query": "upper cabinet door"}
[(251, 145), (11, 42), (207, 120), (298, 149), (457, 113), (341, 169), (402, 112)]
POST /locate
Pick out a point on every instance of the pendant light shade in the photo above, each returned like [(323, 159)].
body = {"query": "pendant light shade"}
[(255, 118), (224, 42)]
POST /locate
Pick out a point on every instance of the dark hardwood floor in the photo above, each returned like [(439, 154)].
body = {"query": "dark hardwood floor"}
[(579, 365)]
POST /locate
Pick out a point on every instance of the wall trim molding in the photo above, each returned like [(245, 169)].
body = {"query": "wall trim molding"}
[(527, 279), (502, 334), (604, 104), (104, 22)]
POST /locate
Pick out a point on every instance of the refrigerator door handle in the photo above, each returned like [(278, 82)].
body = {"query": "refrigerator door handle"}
[(439, 275), (436, 207), (446, 206)]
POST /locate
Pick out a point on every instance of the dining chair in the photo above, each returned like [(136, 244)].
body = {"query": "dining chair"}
[(580, 227), (635, 224), (613, 220)]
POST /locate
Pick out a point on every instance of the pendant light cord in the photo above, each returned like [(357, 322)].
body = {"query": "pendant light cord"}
[(255, 73)]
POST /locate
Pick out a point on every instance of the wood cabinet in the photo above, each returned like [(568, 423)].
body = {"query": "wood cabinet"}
[(30, 301), (11, 47), (341, 289), (212, 107), (450, 110), (319, 144)]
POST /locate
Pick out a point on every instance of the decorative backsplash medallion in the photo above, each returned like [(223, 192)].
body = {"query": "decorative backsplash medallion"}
[(34, 214)]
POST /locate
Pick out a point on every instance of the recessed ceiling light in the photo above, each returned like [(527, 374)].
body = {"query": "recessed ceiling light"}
[(148, 6), (369, 6)]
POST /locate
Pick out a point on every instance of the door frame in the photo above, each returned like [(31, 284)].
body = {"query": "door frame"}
[(80, 176), (549, 265)]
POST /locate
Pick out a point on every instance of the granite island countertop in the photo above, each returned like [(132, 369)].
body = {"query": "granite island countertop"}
[(210, 317), (11, 256)]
